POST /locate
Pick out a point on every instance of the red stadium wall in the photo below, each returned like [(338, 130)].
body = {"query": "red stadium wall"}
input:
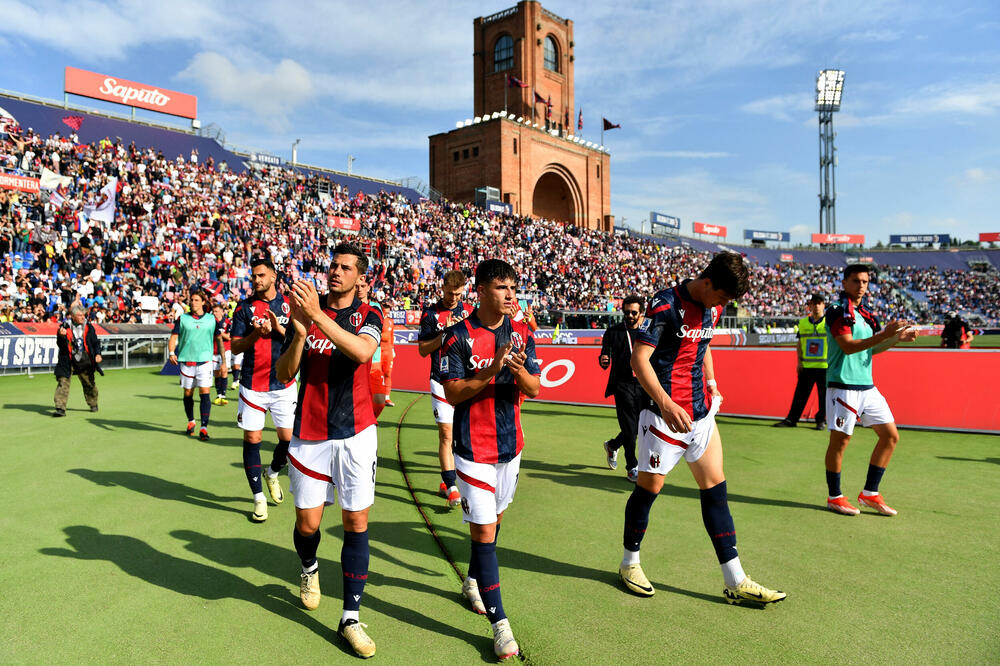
[(925, 388)]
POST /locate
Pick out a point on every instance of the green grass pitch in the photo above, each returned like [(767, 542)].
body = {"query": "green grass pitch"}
[(125, 541)]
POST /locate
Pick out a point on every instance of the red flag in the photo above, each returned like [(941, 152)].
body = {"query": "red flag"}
[(566, 118), (548, 107), (73, 121), (539, 99), (579, 121), (513, 82), (608, 125)]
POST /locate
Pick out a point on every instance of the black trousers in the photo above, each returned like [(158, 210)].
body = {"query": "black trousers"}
[(629, 400), (803, 387)]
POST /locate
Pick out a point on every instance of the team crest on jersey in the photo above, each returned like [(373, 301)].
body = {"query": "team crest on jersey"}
[(518, 341), (841, 421), (654, 460), (284, 308), (355, 319)]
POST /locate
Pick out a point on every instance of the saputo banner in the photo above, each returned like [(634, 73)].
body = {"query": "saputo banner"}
[(910, 380), (122, 91), (839, 239), (709, 229)]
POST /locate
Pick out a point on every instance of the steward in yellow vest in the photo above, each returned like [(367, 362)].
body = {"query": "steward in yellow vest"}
[(811, 365)]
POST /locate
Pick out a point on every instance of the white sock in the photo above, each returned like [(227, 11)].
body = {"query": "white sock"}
[(471, 581), (869, 493), (314, 567), (270, 472), (349, 615), (630, 557), (834, 497), (258, 496), (732, 572)]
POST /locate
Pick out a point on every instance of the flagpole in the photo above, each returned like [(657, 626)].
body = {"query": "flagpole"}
[(505, 93), (533, 105)]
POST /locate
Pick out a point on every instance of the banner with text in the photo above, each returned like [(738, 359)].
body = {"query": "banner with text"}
[(709, 229), (570, 374), (121, 91), (753, 234), (993, 237), (839, 239), (919, 238), (9, 181), (344, 223), (659, 221)]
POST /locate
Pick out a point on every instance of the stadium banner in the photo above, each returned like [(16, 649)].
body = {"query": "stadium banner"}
[(753, 234), (709, 229), (992, 237), (264, 158), (499, 207), (903, 239), (344, 223), (9, 181), (839, 239), (661, 220), (570, 374), (121, 91), (786, 258), (28, 351)]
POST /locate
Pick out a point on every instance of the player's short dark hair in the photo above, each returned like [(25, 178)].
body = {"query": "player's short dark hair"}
[(351, 248), (728, 272), (634, 298), (817, 298), (221, 306), (494, 269), (262, 260), (454, 279), (852, 269), (198, 292)]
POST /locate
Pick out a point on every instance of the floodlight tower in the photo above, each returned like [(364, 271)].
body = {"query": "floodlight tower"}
[(829, 86)]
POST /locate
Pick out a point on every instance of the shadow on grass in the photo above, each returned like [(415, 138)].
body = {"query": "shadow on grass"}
[(535, 410), (44, 410), (139, 559), (995, 461), (578, 476), (159, 488), (694, 493), (283, 564), (158, 397), (122, 424)]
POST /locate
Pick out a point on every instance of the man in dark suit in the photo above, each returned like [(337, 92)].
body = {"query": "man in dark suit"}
[(616, 353), (80, 355)]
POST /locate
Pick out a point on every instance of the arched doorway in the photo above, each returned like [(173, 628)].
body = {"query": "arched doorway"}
[(556, 196)]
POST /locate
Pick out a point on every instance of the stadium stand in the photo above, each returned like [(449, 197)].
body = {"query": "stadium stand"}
[(183, 222)]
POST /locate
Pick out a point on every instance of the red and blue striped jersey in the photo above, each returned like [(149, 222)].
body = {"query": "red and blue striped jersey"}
[(680, 329), (335, 400), (432, 324), (260, 360), (487, 427)]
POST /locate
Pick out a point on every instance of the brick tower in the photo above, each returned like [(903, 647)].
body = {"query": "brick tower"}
[(522, 141)]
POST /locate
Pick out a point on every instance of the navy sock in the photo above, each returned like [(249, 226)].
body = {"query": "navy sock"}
[(874, 478), (251, 465), (637, 517), (189, 407), (280, 457), (448, 476), (206, 409), (236, 375), (489, 580), (306, 547), (474, 557), (220, 386), (833, 483), (719, 522), (354, 563)]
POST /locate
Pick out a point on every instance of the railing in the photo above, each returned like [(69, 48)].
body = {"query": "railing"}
[(93, 111), (416, 183), (555, 17), (499, 15)]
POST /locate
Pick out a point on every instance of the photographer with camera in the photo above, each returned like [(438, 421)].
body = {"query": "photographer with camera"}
[(80, 355)]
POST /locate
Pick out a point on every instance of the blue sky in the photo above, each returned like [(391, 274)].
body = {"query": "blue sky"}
[(714, 98)]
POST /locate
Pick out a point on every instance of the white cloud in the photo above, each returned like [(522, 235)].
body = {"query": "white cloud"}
[(635, 155), (97, 31), (272, 94), (978, 99), (979, 176), (873, 36), (800, 229), (782, 107)]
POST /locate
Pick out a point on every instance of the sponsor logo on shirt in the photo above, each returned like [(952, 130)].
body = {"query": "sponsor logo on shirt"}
[(695, 333), (477, 362), (319, 344)]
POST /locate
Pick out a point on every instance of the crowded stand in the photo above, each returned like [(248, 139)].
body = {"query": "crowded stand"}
[(177, 221)]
